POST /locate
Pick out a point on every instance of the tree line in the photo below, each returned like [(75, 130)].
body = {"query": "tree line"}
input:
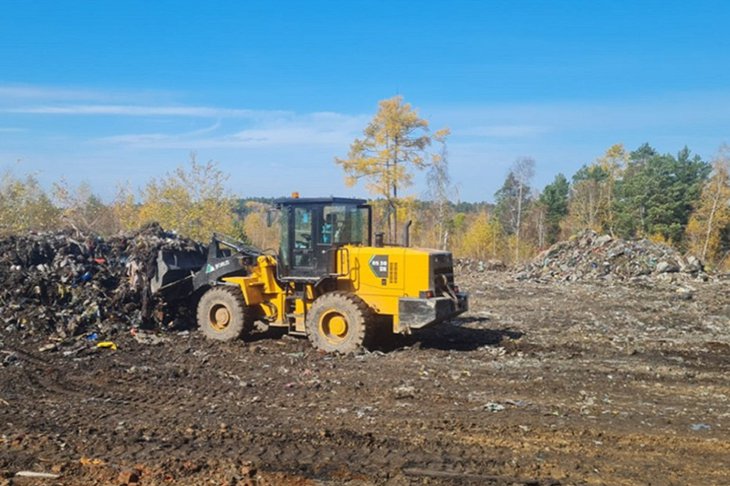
[(679, 200), (192, 200)]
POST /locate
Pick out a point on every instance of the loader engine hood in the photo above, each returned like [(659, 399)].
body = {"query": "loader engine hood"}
[(411, 270), (414, 285)]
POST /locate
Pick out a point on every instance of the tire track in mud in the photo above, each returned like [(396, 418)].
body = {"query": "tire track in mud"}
[(61, 380), (83, 399)]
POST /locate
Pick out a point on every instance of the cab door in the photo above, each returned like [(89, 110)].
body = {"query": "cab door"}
[(307, 241), (303, 258), (296, 254)]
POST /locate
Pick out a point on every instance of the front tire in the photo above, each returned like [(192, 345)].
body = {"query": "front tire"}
[(223, 315), (339, 322)]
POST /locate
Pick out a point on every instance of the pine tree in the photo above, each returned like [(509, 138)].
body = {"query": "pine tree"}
[(555, 200), (657, 193)]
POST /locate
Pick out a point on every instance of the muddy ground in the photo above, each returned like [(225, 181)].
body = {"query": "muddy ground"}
[(582, 383)]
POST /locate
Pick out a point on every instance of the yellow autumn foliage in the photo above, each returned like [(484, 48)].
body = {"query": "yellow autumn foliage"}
[(192, 201), (711, 217), (25, 206)]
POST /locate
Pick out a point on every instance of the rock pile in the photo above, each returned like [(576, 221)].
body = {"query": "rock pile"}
[(59, 284), (592, 256)]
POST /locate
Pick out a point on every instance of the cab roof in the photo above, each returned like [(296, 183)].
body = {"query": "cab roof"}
[(293, 201)]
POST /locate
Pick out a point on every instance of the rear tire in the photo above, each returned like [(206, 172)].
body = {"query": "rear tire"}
[(339, 322), (223, 315)]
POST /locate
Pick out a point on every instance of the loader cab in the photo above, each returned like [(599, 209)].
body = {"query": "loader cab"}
[(312, 229)]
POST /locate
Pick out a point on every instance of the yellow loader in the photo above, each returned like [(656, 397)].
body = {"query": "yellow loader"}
[(329, 282)]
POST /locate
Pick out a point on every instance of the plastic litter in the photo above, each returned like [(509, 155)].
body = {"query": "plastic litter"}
[(37, 475)]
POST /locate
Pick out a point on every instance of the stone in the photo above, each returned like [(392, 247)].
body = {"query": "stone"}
[(666, 267), (692, 265), (404, 391)]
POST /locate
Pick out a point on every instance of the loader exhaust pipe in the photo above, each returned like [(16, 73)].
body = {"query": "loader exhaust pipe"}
[(407, 234), (379, 240)]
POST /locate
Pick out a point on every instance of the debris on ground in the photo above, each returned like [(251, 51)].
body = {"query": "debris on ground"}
[(537, 384), (493, 407), (36, 475), (605, 380)]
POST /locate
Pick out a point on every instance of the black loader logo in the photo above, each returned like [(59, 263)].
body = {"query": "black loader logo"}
[(379, 265)]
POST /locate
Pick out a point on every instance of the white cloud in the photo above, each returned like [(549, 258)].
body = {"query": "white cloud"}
[(324, 128), (485, 138), (290, 135), (136, 110), (26, 92), (504, 131), (270, 129), (44, 100)]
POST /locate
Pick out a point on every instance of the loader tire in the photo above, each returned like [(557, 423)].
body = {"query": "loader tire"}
[(223, 315), (339, 322)]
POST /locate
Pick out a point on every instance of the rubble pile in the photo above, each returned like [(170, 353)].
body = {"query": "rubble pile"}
[(469, 265), (590, 256), (60, 284)]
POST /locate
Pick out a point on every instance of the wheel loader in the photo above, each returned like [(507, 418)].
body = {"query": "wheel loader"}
[(329, 282)]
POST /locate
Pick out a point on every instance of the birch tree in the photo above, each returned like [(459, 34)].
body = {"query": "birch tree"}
[(192, 201), (440, 190), (514, 197), (711, 216), (24, 205)]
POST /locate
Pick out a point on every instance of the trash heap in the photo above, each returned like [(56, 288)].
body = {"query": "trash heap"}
[(590, 256), (64, 285)]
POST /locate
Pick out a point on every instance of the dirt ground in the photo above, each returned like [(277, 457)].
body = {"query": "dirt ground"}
[(581, 383)]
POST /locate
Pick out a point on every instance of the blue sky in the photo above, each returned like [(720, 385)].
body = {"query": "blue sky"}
[(107, 92)]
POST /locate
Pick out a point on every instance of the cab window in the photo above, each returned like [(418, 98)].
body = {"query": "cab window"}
[(344, 224)]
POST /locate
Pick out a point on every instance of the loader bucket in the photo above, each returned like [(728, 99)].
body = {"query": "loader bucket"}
[(175, 270)]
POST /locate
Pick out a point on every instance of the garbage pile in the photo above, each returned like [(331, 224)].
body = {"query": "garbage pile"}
[(62, 285), (590, 256)]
